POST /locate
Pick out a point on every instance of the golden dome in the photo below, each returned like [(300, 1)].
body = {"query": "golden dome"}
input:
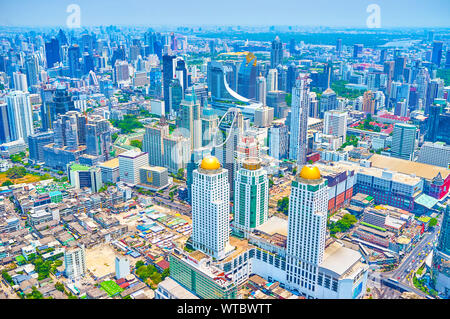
[(310, 172), (252, 164), (210, 163)]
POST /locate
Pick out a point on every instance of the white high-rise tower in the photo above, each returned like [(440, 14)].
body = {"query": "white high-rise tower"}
[(307, 222), (211, 209), (299, 121)]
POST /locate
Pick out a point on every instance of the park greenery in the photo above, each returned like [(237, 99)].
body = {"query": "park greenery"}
[(149, 274), (342, 91), (342, 225), (128, 125)]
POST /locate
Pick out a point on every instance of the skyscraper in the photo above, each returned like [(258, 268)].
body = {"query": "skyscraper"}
[(437, 53), (189, 120), (335, 123), (328, 101), (74, 56), (299, 121), (172, 151), (278, 141), (36, 143), (272, 80), (20, 82), (399, 67), (5, 136), (168, 75), (404, 141), (368, 104), (32, 69), (210, 209), (276, 53), (307, 222), (251, 198), (52, 52), (338, 47), (357, 50), (261, 89), (98, 138), (20, 115)]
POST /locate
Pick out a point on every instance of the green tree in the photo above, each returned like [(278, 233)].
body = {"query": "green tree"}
[(16, 172), (283, 205), (7, 183), (165, 273), (180, 173), (433, 222), (7, 277), (136, 143)]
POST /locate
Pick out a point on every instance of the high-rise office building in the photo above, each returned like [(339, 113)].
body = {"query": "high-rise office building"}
[(276, 53), (52, 52), (437, 53), (272, 80), (368, 103), (74, 59), (121, 72), (32, 69), (299, 121), (98, 138), (307, 222), (210, 122), (168, 64), (279, 141), (20, 115), (335, 123), (5, 135), (328, 101), (251, 200), (129, 164), (171, 151), (338, 47), (55, 102), (75, 262), (261, 89), (246, 85), (357, 50), (231, 128), (20, 82), (437, 154), (36, 143), (210, 209), (404, 141), (189, 121), (399, 67)]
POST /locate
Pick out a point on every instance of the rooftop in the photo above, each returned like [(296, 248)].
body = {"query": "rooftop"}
[(111, 163), (339, 259), (408, 167)]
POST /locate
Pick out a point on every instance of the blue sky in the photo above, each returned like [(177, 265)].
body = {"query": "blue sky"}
[(333, 13)]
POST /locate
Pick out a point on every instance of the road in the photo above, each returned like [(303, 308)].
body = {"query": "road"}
[(410, 263)]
